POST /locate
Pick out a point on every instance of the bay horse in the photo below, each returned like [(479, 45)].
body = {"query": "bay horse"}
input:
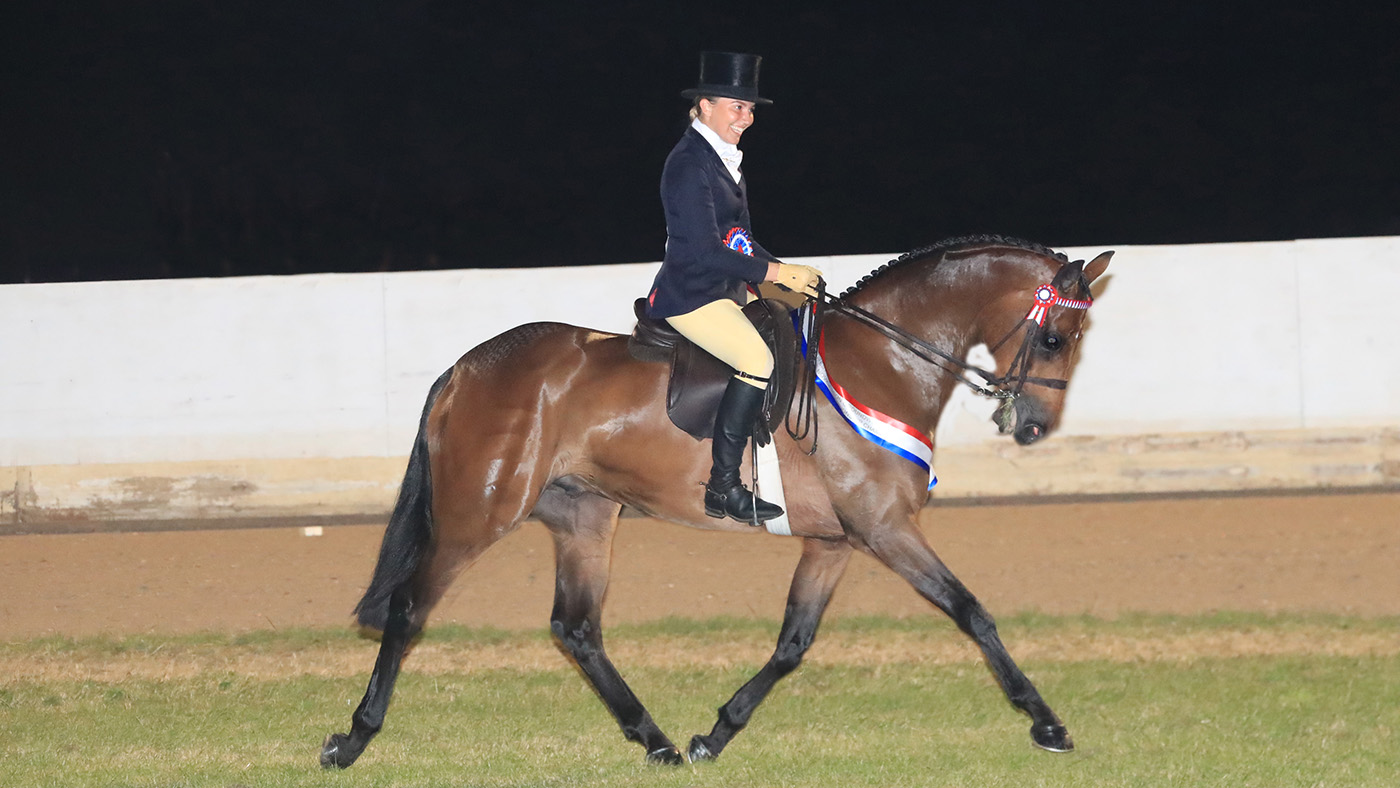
[(560, 424)]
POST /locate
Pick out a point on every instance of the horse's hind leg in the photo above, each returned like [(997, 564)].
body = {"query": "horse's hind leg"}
[(817, 574), (409, 606), (340, 750), (906, 552), (582, 525), (442, 528)]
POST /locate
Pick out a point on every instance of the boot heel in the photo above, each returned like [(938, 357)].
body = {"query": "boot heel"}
[(714, 504)]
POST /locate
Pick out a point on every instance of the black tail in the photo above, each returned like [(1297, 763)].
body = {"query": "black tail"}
[(410, 531)]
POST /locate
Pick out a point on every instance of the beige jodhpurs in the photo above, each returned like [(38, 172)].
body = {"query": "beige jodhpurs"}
[(721, 329)]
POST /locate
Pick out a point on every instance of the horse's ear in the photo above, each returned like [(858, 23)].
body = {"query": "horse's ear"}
[(1067, 275), (1096, 267)]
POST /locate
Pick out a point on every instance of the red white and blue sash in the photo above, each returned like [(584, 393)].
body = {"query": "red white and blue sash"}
[(884, 431)]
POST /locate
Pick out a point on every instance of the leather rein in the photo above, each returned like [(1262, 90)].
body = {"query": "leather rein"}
[(1005, 387)]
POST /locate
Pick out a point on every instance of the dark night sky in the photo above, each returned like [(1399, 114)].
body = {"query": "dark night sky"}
[(192, 138)]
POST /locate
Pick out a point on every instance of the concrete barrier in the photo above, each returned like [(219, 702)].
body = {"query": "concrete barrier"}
[(1212, 367)]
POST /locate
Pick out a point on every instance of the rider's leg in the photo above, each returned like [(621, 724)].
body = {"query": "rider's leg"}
[(721, 329)]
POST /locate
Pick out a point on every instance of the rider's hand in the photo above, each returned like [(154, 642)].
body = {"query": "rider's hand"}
[(798, 278)]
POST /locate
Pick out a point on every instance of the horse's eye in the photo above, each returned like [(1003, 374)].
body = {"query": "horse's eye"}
[(1052, 342)]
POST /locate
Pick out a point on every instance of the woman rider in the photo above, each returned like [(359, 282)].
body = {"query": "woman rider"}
[(711, 258)]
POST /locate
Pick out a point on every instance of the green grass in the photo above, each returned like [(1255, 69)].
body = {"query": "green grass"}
[(1294, 720)]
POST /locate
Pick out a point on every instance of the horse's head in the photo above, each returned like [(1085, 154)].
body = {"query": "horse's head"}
[(1024, 301), (1034, 334)]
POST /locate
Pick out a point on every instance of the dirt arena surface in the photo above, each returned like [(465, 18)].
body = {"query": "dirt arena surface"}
[(1336, 553)]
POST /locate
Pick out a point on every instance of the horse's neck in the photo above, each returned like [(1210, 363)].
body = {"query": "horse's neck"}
[(917, 388), (940, 305)]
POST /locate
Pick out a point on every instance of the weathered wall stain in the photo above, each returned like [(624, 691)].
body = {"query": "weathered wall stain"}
[(1069, 466)]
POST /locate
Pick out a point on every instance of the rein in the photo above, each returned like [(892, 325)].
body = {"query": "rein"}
[(995, 387), (1033, 324)]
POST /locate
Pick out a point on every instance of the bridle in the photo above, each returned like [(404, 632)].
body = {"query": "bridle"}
[(1006, 388)]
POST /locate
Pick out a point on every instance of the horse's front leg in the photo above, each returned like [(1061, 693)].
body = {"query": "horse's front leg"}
[(905, 550), (817, 574)]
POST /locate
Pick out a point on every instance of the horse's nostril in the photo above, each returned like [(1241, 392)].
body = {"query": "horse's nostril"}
[(1029, 434)]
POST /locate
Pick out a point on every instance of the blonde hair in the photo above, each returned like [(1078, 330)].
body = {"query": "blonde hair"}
[(695, 108)]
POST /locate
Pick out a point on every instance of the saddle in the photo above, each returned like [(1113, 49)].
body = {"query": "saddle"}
[(698, 379)]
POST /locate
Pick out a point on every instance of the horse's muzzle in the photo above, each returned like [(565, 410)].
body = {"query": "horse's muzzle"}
[(1024, 417), (1029, 434)]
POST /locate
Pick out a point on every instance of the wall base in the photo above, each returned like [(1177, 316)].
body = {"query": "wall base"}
[(63, 498)]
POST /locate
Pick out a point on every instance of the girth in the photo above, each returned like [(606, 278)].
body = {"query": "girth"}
[(698, 379)]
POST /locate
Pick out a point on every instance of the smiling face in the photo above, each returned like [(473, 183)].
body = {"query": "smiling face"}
[(727, 117)]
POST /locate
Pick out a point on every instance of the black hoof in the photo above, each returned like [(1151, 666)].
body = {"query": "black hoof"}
[(335, 754), (699, 751), (666, 756), (1052, 737)]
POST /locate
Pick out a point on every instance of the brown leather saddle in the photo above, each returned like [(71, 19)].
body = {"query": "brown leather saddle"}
[(698, 379)]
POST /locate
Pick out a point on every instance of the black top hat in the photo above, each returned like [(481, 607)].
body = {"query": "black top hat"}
[(728, 75)]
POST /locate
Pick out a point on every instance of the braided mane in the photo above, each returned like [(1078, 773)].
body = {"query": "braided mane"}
[(949, 244)]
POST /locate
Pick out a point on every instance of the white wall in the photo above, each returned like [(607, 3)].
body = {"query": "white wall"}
[(1265, 336), (1233, 337)]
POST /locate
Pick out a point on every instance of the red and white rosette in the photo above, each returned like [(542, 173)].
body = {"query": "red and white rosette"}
[(1047, 296)]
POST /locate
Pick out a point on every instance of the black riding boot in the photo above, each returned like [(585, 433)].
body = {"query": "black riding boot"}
[(725, 495)]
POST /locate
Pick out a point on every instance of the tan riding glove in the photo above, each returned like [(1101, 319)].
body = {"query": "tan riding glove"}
[(798, 278)]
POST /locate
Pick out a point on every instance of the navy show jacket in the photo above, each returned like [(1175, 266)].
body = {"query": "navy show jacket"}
[(702, 204)]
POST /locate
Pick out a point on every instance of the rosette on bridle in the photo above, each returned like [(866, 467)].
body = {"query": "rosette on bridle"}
[(1047, 296)]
